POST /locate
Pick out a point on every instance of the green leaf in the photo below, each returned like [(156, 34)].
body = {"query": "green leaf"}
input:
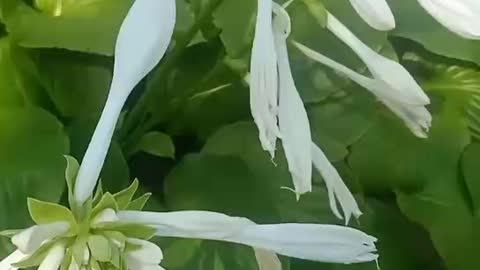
[(45, 213), (470, 159), (125, 196), (157, 144), (83, 26), (99, 248)]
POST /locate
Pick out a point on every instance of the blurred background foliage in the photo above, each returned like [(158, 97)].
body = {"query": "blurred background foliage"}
[(187, 133)]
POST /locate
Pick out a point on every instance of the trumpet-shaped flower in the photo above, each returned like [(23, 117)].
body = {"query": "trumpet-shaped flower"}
[(376, 13), (459, 16), (142, 41)]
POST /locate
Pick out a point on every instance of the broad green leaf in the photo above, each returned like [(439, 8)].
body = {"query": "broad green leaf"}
[(157, 144)]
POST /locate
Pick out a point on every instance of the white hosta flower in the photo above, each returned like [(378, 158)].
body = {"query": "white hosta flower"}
[(29, 240), (337, 190), (415, 116), (263, 79), (403, 85), (54, 258), (147, 257), (327, 243), (292, 116), (141, 43), (459, 16), (376, 13), (6, 264)]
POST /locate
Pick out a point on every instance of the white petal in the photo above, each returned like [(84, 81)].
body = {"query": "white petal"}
[(376, 13), (263, 79), (29, 240), (149, 253), (54, 258), (292, 116), (382, 68), (327, 243), (459, 16), (141, 43), (16, 256), (107, 215), (267, 260), (416, 117), (337, 190)]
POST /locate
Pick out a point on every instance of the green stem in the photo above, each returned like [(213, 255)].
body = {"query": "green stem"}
[(138, 112)]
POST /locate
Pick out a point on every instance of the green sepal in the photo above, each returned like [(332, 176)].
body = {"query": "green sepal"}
[(10, 233), (37, 257), (78, 249), (70, 176), (100, 247), (139, 203), (46, 213), (130, 230), (115, 259), (67, 260), (94, 265), (125, 196), (117, 237), (98, 193), (107, 201)]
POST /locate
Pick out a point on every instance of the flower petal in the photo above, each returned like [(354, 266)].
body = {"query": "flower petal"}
[(16, 256), (267, 260), (416, 117), (376, 13), (459, 16), (327, 243), (263, 79), (141, 43), (337, 190), (382, 68), (29, 240), (54, 258), (292, 116), (148, 253), (107, 215)]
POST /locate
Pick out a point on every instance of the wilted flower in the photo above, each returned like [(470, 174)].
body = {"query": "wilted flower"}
[(376, 13), (459, 16)]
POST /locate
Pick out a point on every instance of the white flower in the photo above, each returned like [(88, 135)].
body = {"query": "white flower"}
[(326, 243), (292, 116), (337, 190), (415, 116), (267, 260), (107, 215), (459, 16), (6, 264), (376, 13), (141, 43), (54, 258), (263, 78), (147, 257), (29, 240)]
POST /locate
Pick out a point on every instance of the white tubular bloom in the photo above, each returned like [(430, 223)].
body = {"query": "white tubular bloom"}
[(263, 79), (459, 16), (29, 240), (141, 43), (416, 117), (147, 257), (337, 190), (376, 13), (292, 116), (326, 243)]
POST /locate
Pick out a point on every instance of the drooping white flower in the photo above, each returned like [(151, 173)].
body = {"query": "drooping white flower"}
[(263, 79), (141, 43), (376, 13), (415, 116), (459, 16), (292, 116), (337, 190), (147, 257), (29, 240), (383, 69), (326, 243)]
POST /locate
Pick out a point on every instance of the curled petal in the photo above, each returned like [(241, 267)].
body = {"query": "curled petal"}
[(29, 240), (326, 243), (292, 116), (383, 69), (148, 253), (459, 16), (337, 190), (141, 43), (16, 256), (107, 215), (376, 13)]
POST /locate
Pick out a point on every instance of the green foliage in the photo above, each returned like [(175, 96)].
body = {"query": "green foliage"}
[(187, 133)]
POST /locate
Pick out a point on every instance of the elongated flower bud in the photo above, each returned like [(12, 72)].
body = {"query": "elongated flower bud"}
[(376, 13)]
